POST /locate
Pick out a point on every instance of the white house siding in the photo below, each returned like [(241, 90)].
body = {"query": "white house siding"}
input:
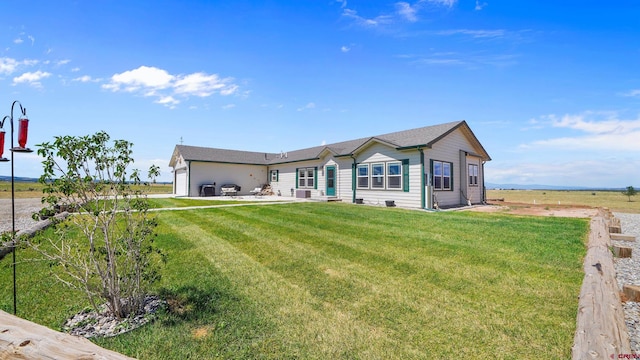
[(448, 149), (247, 176), (344, 180), (474, 192), (381, 153), (288, 174)]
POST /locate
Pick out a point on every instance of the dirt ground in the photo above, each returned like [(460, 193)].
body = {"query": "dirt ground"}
[(538, 210)]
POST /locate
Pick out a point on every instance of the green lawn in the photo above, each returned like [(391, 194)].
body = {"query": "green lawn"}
[(156, 203), (332, 280)]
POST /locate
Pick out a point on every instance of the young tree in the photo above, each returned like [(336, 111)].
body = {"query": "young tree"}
[(114, 259), (630, 191)]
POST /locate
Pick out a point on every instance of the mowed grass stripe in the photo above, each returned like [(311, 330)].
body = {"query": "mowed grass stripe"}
[(398, 328), (290, 307), (266, 240)]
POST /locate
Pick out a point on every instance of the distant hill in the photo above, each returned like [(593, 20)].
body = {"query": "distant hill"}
[(28, 179), (18, 179), (543, 187)]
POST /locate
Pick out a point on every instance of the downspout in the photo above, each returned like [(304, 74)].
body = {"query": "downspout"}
[(353, 179), (484, 189), (188, 178), (423, 203)]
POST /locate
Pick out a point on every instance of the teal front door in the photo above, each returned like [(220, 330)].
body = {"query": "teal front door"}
[(331, 180)]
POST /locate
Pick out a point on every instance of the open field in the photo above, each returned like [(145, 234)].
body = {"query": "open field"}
[(613, 200), (34, 189), (332, 280)]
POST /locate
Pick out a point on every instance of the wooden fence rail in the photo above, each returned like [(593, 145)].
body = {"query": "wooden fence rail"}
[(601, 332)]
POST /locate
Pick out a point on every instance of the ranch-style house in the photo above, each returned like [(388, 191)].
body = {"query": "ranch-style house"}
[(429, 167)]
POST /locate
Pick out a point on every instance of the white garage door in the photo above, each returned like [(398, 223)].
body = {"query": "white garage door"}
[(181, 182)]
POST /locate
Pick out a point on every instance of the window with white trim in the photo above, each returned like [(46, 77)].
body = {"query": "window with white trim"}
[(394, 175), (274, 175), (306, 178), (473, 174), (442, 175), (363, 176), (377, 176)]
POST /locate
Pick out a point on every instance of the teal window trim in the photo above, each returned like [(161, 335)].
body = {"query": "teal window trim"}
[(315, 177), (405, 175), (297, 181), (302, 175)]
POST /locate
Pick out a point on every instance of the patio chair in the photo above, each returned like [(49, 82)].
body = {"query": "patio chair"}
[(255, 192)]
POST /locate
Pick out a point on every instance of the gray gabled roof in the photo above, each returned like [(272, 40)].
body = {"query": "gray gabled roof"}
[(423, 137), (197, 153)]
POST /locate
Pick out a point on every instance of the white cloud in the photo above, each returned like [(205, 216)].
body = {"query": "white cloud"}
[(309, 106), (155, 82), (365, 22), (228, 106), (18, 41), (345, 49), (474, 33), (600, 172), (168, 101), (404, 11), (203, 85), (9, 65), (142, 77), (85, 78), (447, 3), (468, 60), (407, 11), (480, 6), (31, 78), (596, 131), (632, 93)]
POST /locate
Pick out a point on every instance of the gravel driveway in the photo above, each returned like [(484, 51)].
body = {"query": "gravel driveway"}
[(24, 209)]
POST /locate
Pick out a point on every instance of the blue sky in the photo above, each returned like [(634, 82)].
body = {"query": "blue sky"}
[(551, 88)]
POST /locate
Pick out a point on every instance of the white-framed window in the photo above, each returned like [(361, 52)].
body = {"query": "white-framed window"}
[(377, 176), (306, 178), (473, 174), (394, 175), (442, 175), (363, 176), (274, 175)]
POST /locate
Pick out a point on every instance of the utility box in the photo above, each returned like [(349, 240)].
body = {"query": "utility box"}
[(303, 194), (208, 190)]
